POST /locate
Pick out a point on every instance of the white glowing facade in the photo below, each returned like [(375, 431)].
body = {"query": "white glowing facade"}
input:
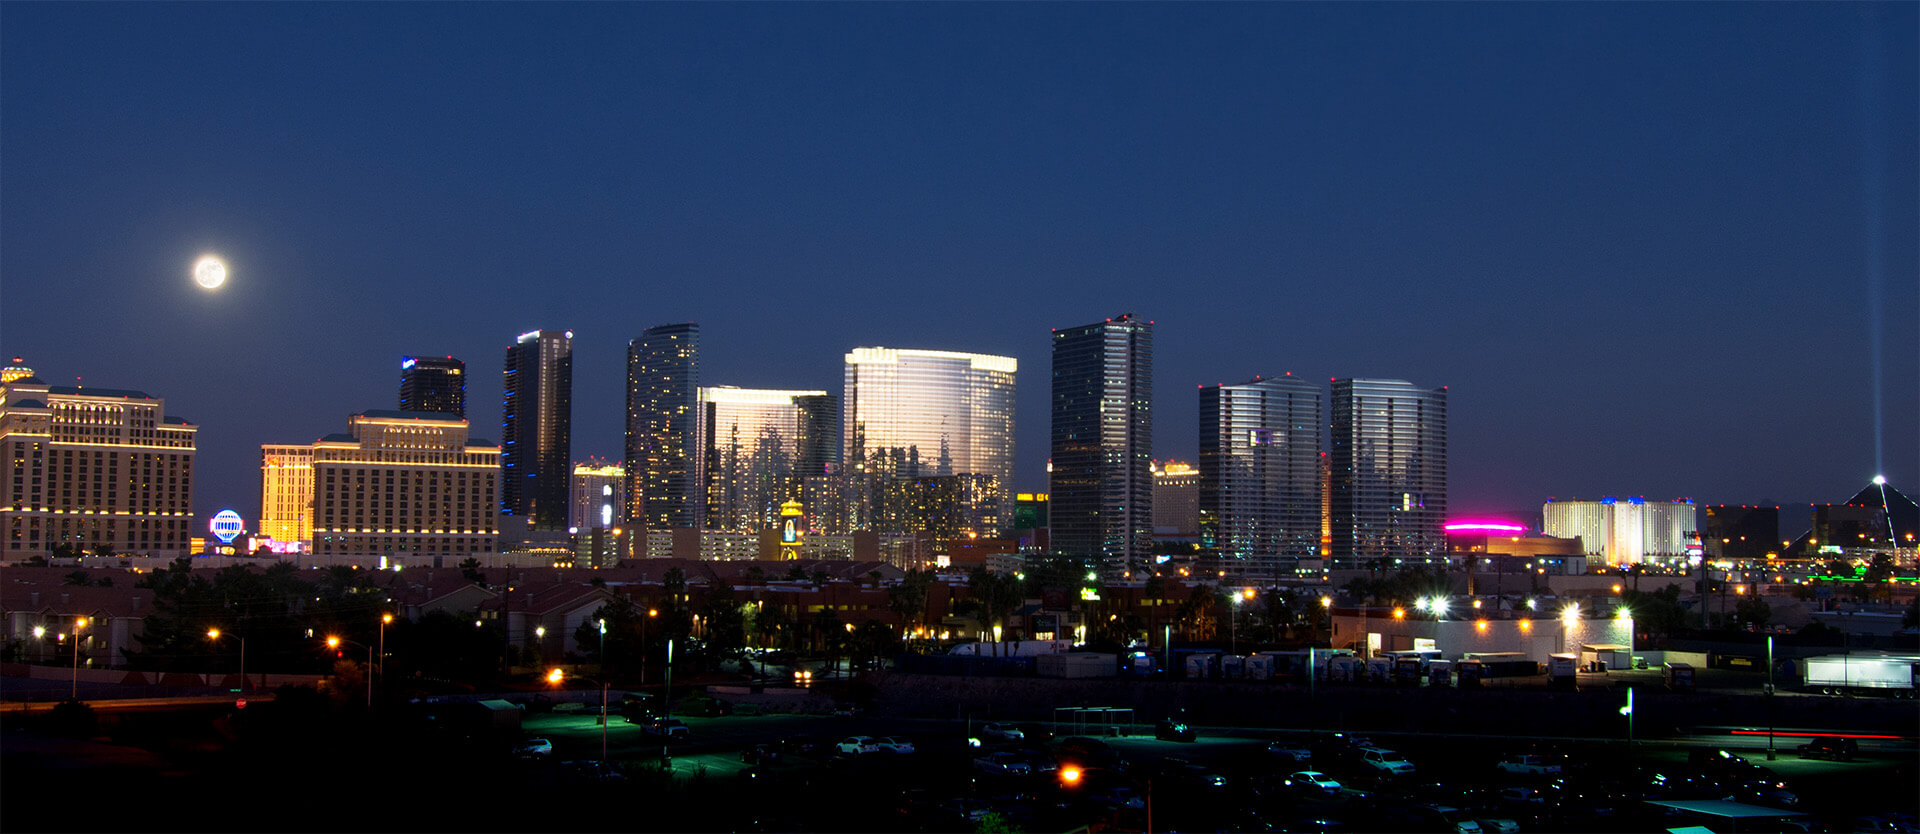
[(92, 468), (286, 495), (405, 487), (929, 441), (760, 448), (1624, 532), (599, 495)]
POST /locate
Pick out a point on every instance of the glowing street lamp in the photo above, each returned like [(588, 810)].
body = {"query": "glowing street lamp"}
[(334, 641), (213, 634), (555, 676), (78, 625)]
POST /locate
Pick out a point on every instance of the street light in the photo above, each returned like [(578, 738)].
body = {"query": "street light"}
[(555, 676), (333, 642), (78, 624), (214, 635), (666, 704), (386, 619)]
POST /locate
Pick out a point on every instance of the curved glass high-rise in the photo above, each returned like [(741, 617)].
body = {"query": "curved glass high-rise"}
[(1389, 462), (1260, 474), (759, 448), (929, 441)]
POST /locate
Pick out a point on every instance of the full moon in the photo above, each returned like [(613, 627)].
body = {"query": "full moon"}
[(209, 272)]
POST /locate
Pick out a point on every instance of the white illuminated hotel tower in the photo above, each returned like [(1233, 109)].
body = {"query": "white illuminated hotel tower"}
[(91, 468)]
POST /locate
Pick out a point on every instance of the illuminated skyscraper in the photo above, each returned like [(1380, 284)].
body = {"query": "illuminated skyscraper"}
[(663, 389), (433, 384), (286, 496), (1626, 532), (1260, 474), (597, 485), (1100, 475), (929, 441), (761, 448), (536, 425), (1389, 469), (92, 467)]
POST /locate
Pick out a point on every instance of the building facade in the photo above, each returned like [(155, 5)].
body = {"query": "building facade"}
[(1388, 469), (436, 384), (760, 448), (404, 488), (1101, 443), (1259, 490), (536, 425), (929, 441), (286, 496), (1740, 532), (597, 486), (91, 468), (1625, 532), (662, 460), (1176, 501)]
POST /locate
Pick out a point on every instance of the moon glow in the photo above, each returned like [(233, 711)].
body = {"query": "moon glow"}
[(209, 272)]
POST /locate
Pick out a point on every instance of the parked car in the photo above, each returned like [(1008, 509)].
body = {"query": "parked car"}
[(671, 729), (1313, 781), (1446, 818), (846, 710), (1174, 731), (761, 754), (857, 745), (533, 748), (1288, 751), (1001, 732), (1187, 774), (891, 744), (1386, 762), (1528, 764), (1003, 764), (1837, 749)]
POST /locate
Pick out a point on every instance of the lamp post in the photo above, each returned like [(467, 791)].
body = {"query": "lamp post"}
[(666, 704), (603, 645), (79, 624), (333, 642), (651, 613), (1233, 626), (214, 635), (555, 676), (386, 619), (1770, 752)]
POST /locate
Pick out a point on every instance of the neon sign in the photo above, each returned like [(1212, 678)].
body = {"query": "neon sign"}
[(226, 526)]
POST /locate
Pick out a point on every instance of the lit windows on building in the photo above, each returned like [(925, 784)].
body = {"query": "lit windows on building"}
[(1259, 485), (662, 458), (286, 496), (435, 384), (1388, 469), (1101, 443), (92, 468), (1624, 531), (928, 439), (761, 448), (404, 487), (536, 419)]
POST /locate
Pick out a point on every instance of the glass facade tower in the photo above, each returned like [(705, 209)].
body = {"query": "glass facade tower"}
[(536, 427), (1389, 469), (760, 448), (433, 384), (662, 458), (1099, 473), (929, 441), (1260, 474)]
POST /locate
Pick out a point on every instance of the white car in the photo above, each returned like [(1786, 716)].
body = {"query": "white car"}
[(1386, 762), (1313, 781), (894, 745), (534, 748), (1528, 764), (857, 745), (1002, 732), (1289, 751), (1005, 764)]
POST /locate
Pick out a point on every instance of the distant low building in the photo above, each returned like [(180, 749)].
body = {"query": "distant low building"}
[(1625, 531)]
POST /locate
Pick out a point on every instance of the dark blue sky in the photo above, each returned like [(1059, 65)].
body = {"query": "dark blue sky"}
[(1642, 243)]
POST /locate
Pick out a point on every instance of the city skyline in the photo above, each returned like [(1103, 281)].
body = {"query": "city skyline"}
[(1659, 251)]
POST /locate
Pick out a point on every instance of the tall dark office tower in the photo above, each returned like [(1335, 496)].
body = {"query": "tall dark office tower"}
[(1260, 474), (433, 384), (536, 427), (1389, 469), (1100, 476), (663, 394)]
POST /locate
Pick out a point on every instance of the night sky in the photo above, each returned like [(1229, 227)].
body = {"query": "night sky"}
[(1654, 249)]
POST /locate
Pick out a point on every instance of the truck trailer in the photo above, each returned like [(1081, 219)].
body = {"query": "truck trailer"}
[(1876, 674)]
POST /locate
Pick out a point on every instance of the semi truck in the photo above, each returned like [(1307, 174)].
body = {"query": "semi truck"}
[(1877, 673)]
